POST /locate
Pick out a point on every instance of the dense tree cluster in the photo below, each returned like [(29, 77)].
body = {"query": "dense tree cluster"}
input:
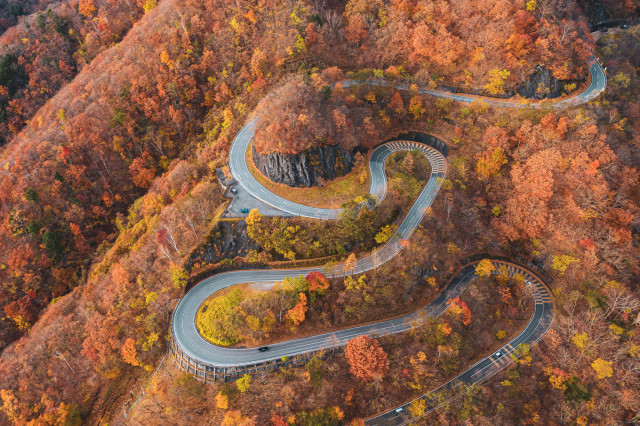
[(70, 179), (98, 144), (252, 317), (609, 9), (361, 226), (12, 10), (299, 116), (320, 391), (466, 43), (47, 49)]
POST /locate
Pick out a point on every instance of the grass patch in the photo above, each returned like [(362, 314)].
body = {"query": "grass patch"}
[(329, 196), (218, 319)]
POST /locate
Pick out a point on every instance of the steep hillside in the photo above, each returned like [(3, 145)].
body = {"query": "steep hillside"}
[(98, 144), (12, 10), (47, 49), (482, 44), (76, 168)]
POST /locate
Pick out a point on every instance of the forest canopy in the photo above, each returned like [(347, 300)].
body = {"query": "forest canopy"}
[(299, 115)]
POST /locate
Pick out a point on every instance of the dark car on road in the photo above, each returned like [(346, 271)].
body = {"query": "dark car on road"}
[(263, 348)]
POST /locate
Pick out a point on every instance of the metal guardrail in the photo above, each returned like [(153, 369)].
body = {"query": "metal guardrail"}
[(208, 373), (309, 61)]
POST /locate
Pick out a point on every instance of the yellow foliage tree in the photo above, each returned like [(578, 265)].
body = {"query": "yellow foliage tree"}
[(496, 81), (235, 418), (415, 107), (561, 263), (485, 268), (580, 340), (351, 263), (222, 401), (418, 407), (385, 233), (490, 162), (243, 383), (602, 368), (149, 5), (253, 218)]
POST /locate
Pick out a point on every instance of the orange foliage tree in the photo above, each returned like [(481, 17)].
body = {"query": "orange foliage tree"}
[(129, 351), (366, 358), (298, 312)]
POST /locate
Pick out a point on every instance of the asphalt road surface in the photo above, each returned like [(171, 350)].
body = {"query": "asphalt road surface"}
[(185, 333), (187, 338), (597, 85)]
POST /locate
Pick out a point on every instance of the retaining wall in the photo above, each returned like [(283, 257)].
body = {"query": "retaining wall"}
[(207, 373)]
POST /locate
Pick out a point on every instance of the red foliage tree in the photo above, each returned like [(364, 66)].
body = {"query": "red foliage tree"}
[(318, 283)]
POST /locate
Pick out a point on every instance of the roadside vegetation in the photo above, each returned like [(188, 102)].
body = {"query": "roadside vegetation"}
[(362, 225), (374, 374), (313, 304)]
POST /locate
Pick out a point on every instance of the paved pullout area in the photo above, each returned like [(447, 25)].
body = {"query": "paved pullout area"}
[(195, 347)]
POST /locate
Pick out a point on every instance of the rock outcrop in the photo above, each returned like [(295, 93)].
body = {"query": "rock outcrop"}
[(309, 168), (594, 10), (542, 78), (550, 87), (227, 240)]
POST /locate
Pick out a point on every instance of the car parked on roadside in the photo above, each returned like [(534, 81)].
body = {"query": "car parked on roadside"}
[(234, 191)]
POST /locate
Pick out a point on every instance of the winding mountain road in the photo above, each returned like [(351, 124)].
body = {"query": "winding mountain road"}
[(188, 341)]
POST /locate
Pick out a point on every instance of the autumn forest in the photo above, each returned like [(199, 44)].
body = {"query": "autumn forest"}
[(508, 129)]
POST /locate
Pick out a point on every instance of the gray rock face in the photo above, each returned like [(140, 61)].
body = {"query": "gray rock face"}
[(527, 89), (227, 240), (309, 168), (595, 10), (542, 77)]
